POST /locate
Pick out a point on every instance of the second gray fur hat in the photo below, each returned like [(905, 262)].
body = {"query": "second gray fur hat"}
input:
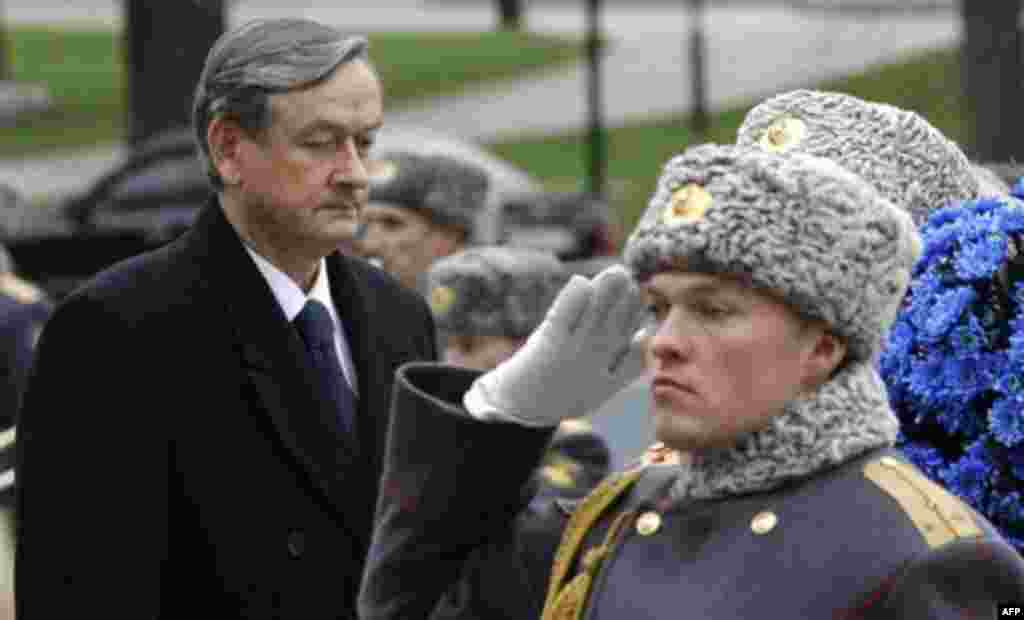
[(449, 191), (801, 227), (494, 290), (901, 154)]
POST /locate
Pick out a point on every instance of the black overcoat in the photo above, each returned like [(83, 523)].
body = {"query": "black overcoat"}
[(174, 461)]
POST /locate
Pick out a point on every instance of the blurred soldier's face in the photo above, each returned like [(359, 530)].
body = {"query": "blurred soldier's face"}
[(724, 358), (405, 241), (301, 185), (479, 352)]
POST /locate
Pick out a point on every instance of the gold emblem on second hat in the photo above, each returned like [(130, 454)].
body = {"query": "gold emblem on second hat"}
[(441, 299), (764, 522), (687, 204), (648, 523), (783, 134)]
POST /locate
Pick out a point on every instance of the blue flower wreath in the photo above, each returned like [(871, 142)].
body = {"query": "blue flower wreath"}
[(954, 360)]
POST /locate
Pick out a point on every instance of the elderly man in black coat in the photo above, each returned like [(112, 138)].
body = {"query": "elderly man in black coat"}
[(202, 435)]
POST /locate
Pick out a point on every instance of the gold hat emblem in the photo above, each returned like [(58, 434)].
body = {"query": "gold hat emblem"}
[(559, 475), (381, 170), (648, 523), (784, 133), (764, 522), (687, 204), (441, 299)]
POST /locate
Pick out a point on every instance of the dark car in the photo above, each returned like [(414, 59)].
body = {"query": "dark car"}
[(154, 194), (147, 200)]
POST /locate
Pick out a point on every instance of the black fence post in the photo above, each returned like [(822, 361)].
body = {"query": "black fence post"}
[(596, 160), (699, 121)]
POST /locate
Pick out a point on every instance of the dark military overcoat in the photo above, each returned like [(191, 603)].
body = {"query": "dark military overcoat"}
[(457, 538)]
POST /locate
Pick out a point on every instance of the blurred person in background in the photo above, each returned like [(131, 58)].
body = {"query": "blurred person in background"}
[(486, 301), (203, 430), (421, 208), (24, 309)]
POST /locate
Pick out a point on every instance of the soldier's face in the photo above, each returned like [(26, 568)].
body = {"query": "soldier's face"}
[(302, 183), (723, 359), (405, 241)]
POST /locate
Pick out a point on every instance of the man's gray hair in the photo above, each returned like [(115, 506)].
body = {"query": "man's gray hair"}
[(262, 57)]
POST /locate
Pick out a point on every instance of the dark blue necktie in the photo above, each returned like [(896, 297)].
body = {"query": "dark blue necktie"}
[(317, 330)]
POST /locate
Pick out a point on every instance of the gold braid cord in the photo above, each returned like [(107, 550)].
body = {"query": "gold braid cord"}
[(566, 603)]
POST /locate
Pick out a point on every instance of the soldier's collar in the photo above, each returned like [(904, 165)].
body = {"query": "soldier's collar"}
[(845, 418)]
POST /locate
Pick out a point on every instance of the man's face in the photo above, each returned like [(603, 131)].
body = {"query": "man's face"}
[(479, 352), (405, 241), (723, 358), (303, 183)]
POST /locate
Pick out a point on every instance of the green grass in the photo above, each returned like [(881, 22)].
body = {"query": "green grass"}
[(425, 65), (927, 83), (84, 71)]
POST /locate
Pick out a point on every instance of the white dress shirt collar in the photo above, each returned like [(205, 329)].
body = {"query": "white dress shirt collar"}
[(292, 299)]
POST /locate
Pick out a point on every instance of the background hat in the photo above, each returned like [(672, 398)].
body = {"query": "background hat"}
[(493, 290), (802, 227), (990, 183), (449, 191), (1008, 173), (571, 225), (901, 154)]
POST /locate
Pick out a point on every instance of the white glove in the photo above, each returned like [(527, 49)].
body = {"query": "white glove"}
[(580, 356)]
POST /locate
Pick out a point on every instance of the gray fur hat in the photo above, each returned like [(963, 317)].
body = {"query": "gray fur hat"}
[(449, 191), (572, 225), (905, 158), (493, 290), (798, 226)]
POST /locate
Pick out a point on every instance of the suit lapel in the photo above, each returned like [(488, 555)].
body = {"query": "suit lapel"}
[(276, 363), (354, 303)]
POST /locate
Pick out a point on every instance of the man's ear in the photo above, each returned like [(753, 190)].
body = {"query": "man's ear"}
[(826, 355), (447, 241), (224, 136)]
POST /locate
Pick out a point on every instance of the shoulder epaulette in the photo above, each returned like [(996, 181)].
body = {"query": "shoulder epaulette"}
[(937, 514)]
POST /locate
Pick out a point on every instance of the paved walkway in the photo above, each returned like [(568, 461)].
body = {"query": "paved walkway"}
[(753, 50)]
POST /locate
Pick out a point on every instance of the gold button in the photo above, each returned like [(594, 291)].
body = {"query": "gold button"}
[(764, 522), (889, 461), (648, 523)]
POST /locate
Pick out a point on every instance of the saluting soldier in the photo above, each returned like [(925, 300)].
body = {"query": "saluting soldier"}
[(486, 301), (421, 208), (770, 280)]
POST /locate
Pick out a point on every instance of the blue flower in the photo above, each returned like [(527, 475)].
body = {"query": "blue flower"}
[(954, 360), (982, 256), (946, 310), (969, 478), (926, 458), (1015, 457), (969, 339)]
